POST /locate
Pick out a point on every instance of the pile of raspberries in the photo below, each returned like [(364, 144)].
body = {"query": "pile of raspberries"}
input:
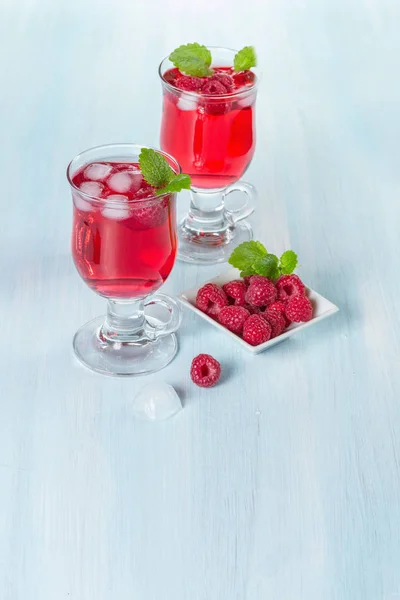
[(255, 308)]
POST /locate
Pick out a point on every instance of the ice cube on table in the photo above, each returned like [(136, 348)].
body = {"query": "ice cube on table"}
[(97, 171), (156, 402), (118, 212), (124, 181)]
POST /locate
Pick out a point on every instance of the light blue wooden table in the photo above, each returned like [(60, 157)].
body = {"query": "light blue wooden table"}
[(283, 482)]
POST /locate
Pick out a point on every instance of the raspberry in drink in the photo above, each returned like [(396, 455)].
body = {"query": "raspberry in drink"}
[(123, 241), (208, 124)]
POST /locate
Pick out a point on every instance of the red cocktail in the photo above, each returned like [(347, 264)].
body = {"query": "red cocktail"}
[(124, 244), (123, 241), (208, 123)]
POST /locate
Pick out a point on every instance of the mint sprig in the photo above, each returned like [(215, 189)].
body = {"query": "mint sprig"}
[(159, 174), (252, 258), (245, 59), (192, 59)]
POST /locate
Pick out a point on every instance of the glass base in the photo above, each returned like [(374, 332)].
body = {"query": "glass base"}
[(211, 248), (122, 358)]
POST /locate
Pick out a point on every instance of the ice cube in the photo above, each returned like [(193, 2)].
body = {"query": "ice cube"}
[(81, 204), (92, 188), (123, 181), (186, 103), (97, 171), (119, 212), (246, 101), (156, 402)]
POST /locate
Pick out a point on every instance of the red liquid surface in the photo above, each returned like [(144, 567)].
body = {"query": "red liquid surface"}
[(124, 250), (212, 137)]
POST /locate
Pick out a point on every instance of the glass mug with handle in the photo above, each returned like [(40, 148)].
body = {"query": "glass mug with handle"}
[(211, 131), (124, 245)]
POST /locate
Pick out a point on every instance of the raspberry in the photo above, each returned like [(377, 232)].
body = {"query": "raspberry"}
[(261, 291), (280, 307), (253, 310), (299, 309), (233, 318), (246, 280), (189, 84), (225, 79), (205, 370), (289, 286), (256, 330), (244, 78), (151, 214), (211, 299), (276, 320), (213, 87), (235, 290)]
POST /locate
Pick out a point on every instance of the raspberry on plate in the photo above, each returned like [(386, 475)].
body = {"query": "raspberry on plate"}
[(289, 286), (261, 291), (205, 370), (233, 318), (253, 310), (280, 307), (211, 299), (256, 330), (276, 320), (299, 309), (235, 290)]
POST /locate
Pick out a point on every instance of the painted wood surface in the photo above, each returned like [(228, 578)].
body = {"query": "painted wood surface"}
[(283, 482)]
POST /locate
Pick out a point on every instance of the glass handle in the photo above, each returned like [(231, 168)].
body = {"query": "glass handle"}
[(248, 208), (152, 327)]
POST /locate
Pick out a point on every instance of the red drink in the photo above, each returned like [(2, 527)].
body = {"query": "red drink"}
[(124, 237), (208, 124)]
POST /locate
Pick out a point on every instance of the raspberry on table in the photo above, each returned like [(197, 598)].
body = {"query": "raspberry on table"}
[(211, 299), (280, 307), (235, 290), (276, 320), (261, 291), (299, 309), (256, 330), (205, 370), (289, 286), (233, 318)]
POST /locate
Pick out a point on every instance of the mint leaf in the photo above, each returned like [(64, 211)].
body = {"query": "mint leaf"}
[(288, 262), (267, 266), (246, 255), (178, 183), (155, 168), (245, 59), (192, 59)]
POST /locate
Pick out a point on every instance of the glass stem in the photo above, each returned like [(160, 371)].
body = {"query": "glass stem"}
[(125, 321), (207, 221)]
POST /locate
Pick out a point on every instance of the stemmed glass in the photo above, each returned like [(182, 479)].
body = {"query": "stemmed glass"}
[(124, 248), (213, 138)]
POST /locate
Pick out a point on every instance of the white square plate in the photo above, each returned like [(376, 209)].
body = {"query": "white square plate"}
[(323, 308)]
